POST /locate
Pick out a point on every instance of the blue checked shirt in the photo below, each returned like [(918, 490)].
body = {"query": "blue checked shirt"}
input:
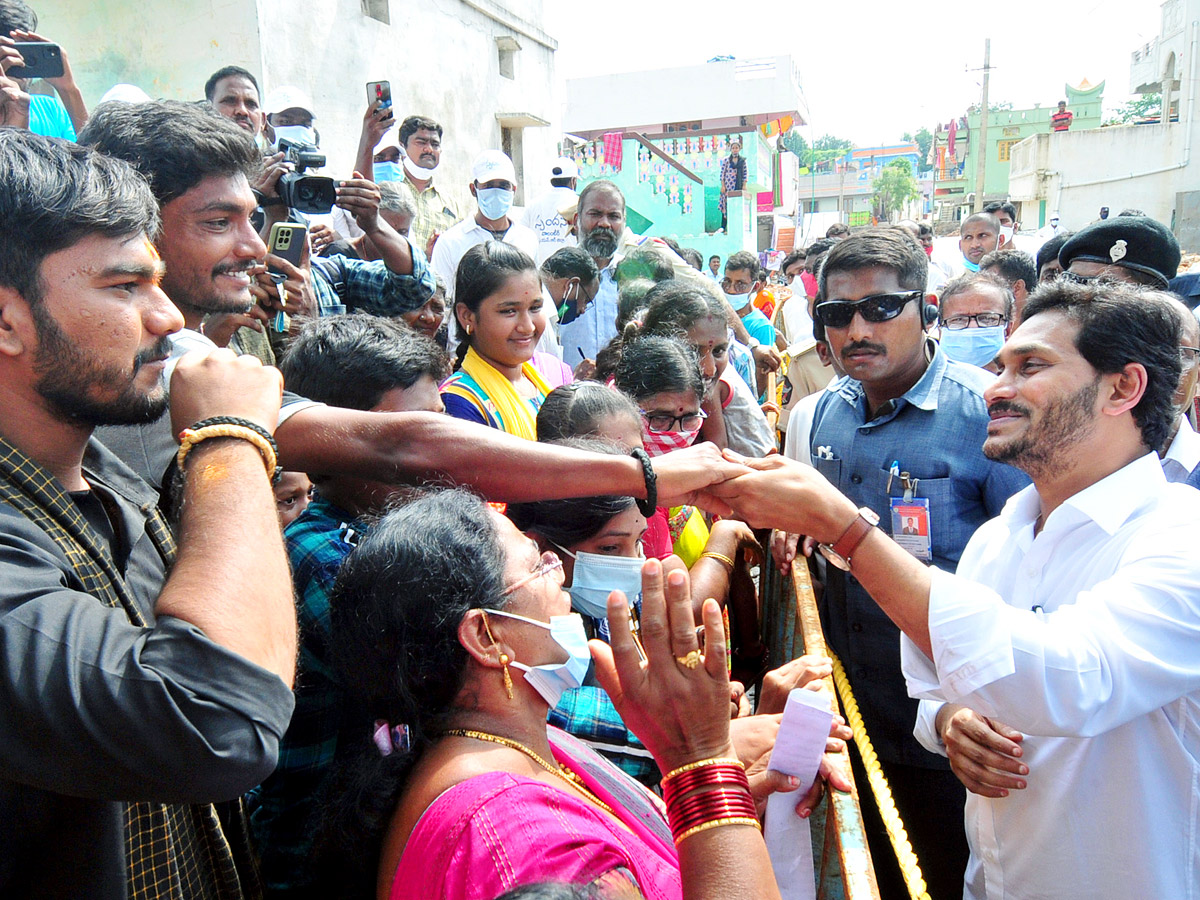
[(345, 285), (935, 432), (283, 807)]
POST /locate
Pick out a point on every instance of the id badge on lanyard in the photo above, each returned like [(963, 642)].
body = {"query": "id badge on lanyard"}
[(910, 517)]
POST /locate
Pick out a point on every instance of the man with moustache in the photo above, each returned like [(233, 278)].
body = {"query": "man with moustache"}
[(979, 235), (421, 139), (1069, 630), (144, 684), (906, 424)]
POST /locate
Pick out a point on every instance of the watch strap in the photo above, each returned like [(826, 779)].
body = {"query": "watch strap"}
[(852, 537)]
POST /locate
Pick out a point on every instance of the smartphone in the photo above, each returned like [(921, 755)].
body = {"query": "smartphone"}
[(381, 91), (287, 241), (42, 60)]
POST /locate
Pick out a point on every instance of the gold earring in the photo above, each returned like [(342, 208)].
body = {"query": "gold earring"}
[(504, 660)]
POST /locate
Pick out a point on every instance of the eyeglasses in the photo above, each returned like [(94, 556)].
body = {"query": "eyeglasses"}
[(1189, 355), (550, 563), (662, 422), (983, 320), (876, 308), (736, 287)]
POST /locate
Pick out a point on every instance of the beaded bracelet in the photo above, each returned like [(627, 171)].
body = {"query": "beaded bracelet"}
[(274, 471), (189, 438)]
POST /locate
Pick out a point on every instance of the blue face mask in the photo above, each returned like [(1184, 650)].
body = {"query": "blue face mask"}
[(596, 575), (494, 203), (552, 679), (975, 346), (387, 171)]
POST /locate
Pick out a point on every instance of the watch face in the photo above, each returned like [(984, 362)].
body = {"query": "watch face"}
[(834, 557), (870, 515)]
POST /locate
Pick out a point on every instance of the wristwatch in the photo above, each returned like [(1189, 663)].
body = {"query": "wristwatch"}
[(840, 551)]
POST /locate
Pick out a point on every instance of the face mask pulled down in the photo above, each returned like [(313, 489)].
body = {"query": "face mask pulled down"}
[(552, 679)]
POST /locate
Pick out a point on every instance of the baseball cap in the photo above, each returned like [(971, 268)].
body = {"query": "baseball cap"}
[(492, 165), (564, 167), (288, 97)]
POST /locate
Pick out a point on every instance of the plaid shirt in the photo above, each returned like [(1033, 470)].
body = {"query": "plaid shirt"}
[(434, 212), (588, 714), (344, 285), (318, 542)]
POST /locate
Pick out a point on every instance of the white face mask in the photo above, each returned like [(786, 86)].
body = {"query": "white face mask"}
[(596, 575), (418, 172), (975, 346), (739, 301), (297, 134), (494, 203), (1006, 233), (552, 679)]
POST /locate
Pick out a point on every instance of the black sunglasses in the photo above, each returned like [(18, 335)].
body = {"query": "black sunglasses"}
[(877, 308)]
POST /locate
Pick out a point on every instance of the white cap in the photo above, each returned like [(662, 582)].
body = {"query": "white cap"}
[(492, 165), (125, 93), (564, 167), (390, 139), (288, 97), (1054, 215)]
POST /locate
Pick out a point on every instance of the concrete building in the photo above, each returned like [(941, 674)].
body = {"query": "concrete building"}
[(483, 68), (956, 163), (1148, 166), (846, 190), (661, 136)]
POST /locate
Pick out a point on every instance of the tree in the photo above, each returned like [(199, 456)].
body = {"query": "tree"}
[(1146, 106), (924, 140), (894, 187), (826, 148)]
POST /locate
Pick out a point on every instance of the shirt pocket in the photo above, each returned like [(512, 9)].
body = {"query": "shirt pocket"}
[(830, 468), (951, 522)]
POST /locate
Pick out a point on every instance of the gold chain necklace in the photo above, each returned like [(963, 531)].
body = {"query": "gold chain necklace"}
[(560, 770)]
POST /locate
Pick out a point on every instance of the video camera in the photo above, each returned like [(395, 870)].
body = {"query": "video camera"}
[(306, 193)]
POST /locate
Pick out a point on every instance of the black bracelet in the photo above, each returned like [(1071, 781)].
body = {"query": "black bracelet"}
[(648, 506), (253, 426)]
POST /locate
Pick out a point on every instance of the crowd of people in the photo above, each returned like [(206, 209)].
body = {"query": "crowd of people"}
[(412, 561)]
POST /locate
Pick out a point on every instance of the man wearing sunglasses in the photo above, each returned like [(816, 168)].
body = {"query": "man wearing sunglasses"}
[(906, 424)]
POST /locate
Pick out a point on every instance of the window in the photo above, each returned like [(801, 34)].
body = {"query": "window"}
[(507, 47), (678, 127), (1004, 148), (377, 9)]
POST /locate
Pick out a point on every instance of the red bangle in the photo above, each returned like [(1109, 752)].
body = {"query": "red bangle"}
[(719, 773), (721, 805)]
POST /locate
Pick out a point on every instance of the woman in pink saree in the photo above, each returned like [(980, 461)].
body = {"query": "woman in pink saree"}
[(451, 621)]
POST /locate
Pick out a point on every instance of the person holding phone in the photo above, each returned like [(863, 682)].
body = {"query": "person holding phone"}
[(62, 116)]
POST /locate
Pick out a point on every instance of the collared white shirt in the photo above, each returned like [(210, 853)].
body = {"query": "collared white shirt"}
[(461, 237), (1084, 638), (1184, 453)]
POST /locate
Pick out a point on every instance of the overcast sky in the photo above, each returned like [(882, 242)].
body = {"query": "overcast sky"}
[(869, 73)]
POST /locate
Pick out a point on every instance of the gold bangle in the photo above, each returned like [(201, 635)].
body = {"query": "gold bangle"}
[(189, 438), (710, 554), (701, 763), (717, 823)]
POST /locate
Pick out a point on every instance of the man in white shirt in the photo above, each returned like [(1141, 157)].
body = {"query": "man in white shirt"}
[(493, 186), (1073, 617), (544, 215), (1181, 458)]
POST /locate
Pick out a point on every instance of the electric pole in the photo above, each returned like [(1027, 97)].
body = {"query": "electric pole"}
[(981, 151)]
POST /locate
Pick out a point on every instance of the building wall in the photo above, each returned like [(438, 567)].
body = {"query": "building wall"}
[(442, 60)]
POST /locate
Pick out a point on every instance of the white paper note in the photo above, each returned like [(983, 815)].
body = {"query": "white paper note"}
[(798, 749)]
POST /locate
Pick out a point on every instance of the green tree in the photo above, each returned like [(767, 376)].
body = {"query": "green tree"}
[(825, 148), (924, 140), (1132, 110), (894, 187)]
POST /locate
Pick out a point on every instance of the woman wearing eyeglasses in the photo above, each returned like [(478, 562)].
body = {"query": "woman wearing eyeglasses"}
[(500, 380), (452, 629)]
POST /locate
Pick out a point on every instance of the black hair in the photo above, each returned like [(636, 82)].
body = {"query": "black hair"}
[(1131, 211), (1048, 252), (998, 206), (796, 256), (823, 245), (413, 124), (655, 365), (644, 262), (924, 229), (482, 272), (571, 262), (561, 182), (16, 15), (548, 891), (674, 307), (578, 409), (837, 228), (887, 248), (53, 194), (985, 217), (743, 259), (174, 145), (715, 256), (631, 300), (968, 280), (692, 257), (210, 86), (1118, 325), (598, 184), (352, 361), (1012, 266), (672, 244), (394, 614), (567, 522)]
